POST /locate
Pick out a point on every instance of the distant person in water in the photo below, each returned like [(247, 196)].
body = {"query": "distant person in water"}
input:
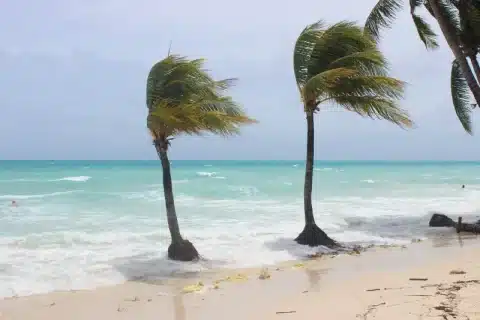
[(463, 186), (14, 203)]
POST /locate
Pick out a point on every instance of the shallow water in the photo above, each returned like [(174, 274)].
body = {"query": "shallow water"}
[(82, 224)]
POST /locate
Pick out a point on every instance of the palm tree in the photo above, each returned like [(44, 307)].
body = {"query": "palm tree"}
[(447, 14), (340, 65), (182, 98)]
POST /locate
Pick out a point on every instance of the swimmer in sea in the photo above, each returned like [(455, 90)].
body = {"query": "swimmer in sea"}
[(14, 203), (463, 186)]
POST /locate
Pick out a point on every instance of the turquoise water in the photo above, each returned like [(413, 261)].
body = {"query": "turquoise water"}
[(83, 224)]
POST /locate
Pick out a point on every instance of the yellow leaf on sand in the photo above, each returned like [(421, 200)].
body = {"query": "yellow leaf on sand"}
[(193, 288), (238, 277)]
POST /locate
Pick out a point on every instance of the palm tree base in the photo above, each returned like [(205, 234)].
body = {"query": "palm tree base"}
[(313, 236), (182, 251)]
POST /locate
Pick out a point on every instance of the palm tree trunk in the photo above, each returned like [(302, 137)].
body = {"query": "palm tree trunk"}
[(452, 41), (476, 66), (311, 235), (172, 220), (179, 249), (308, 184)]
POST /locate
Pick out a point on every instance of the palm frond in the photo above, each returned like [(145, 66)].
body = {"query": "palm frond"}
[(321, 82), (382, 16), (425, 32), (346, 67), (183, 98), (451, 14), (303, 50), (461, 97), (367, 62), (375, 107), (339, 40), (359, 85)]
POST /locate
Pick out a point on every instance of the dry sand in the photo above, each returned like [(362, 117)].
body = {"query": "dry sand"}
[(372, 285)]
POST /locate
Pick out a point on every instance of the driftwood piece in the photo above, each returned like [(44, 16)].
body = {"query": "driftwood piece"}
[(441, 220)]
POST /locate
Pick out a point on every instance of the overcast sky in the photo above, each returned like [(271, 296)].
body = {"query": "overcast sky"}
[(73, 72)]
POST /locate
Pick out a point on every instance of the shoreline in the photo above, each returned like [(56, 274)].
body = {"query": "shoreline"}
[(358, 280)]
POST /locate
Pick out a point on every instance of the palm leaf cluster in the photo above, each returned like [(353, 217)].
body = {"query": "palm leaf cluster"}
[(463, 18), (339, 65), (183, 98)]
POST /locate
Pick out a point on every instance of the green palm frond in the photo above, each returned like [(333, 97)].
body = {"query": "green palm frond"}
[(346, 68), (339, 40), (183, 98), (320, 84), (425, 32), (449, 12), (461, 97), (303, 50), (375, 107), (368, 62), (382, 16)]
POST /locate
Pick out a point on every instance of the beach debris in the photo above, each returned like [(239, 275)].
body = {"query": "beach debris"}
[(264, 274), (134, 299), (418, 279), (457, 272), (376, 289), (216, 286), (415, 240), (441, 220), (193, 287), (52, 304), (149, 300), (285, 312), (119, 309), (371, 308), (299, 265)]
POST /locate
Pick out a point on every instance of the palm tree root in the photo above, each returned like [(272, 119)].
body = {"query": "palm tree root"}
[(182, 251), (313, 236)]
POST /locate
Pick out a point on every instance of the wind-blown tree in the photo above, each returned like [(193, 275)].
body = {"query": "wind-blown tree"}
[(455, 18), (340, 65), (183, 98)]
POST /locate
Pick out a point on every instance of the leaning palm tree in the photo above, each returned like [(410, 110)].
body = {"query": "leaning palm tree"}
[(182, 98), (447, 14), (340, 65)]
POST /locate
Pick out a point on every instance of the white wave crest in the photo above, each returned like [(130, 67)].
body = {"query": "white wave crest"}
[(206, 174), (74, 179), (36, 196)]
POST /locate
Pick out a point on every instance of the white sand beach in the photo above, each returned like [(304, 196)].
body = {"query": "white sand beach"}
[(429, 280)]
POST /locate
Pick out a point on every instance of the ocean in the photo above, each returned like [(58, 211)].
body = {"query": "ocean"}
[(84, 224)]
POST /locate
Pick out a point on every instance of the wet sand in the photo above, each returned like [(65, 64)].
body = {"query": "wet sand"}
[(436, 279)]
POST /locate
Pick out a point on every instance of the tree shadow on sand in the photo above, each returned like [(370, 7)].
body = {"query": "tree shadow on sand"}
[(152, 269)]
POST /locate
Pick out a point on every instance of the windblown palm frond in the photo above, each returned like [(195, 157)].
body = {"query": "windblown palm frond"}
[(344, 66), (382, 16), (183, 98), (461, 97), (384, 13)]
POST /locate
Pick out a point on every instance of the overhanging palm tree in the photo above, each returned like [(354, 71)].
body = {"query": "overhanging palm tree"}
[(182, 98), (339, 65), (447, 14)]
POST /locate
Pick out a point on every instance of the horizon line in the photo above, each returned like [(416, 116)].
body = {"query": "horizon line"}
[(258, 160)]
